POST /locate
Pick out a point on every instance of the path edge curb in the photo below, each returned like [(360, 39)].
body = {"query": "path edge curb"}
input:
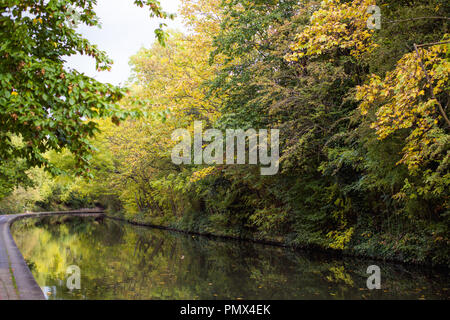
[(27, 287)]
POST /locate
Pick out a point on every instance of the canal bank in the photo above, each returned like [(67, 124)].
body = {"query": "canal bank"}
[(16, 280)]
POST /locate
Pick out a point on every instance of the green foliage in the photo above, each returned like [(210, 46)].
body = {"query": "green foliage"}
[(45, 104), (364, 146)]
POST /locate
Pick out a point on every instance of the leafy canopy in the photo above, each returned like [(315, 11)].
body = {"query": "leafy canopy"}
[(42, 102)]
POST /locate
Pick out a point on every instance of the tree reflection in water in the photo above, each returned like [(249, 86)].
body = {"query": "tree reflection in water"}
[(122, 261)]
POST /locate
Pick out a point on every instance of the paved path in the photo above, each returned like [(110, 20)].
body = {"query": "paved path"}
[(16, 279), (7, 287)]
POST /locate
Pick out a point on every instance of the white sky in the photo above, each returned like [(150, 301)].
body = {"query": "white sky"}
[(125, 29)]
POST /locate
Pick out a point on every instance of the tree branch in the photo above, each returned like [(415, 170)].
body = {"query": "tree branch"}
[(441, 109)]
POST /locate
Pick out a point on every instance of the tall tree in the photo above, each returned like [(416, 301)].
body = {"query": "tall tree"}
[(45, 104)]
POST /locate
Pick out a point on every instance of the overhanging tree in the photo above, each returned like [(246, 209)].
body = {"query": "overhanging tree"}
[(43, 104)]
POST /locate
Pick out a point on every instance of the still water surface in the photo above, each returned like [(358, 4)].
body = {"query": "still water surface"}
[(122, 261)]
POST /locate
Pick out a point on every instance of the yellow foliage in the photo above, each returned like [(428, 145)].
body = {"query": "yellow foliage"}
[(201, 174), (403, 102), (340, 239), (339, 275), (336, 25)]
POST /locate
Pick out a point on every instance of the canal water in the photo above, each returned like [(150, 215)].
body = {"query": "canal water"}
[(120, 261)]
